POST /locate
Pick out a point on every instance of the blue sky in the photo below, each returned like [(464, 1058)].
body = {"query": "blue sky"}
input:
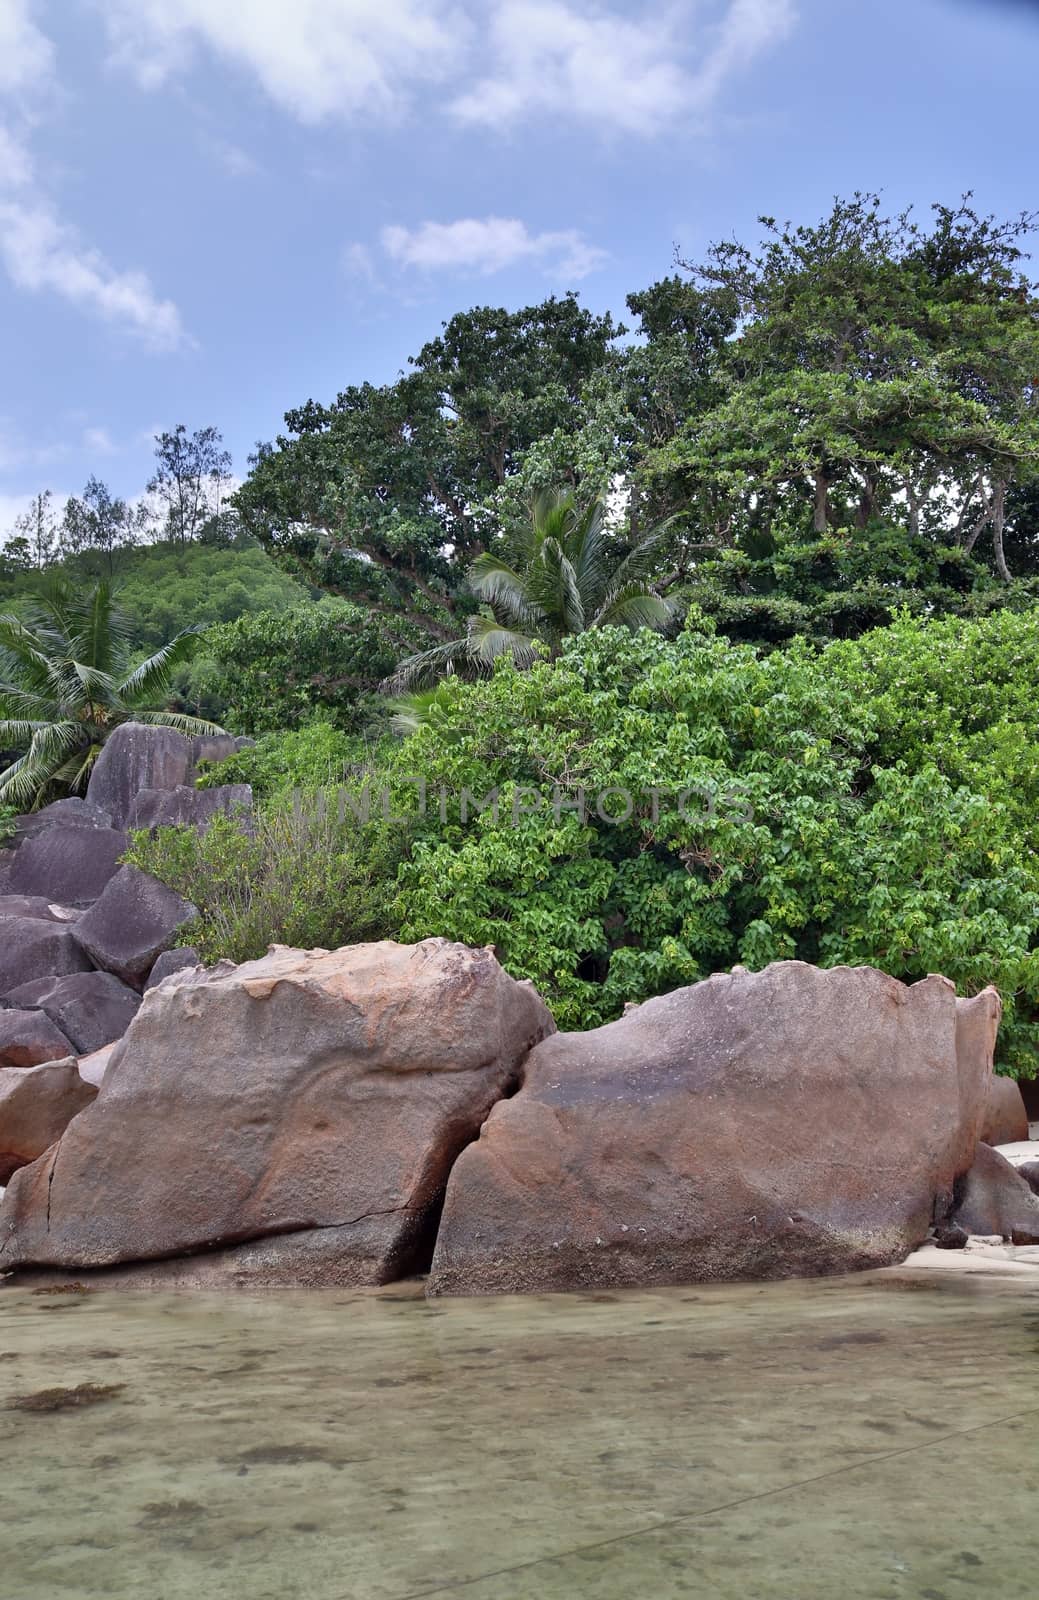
[(212, 210)]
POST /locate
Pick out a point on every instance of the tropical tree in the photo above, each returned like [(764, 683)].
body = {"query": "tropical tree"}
[(379, 498), (560, 573), (67, 680)]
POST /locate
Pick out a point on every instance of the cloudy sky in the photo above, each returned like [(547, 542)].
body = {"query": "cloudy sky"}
[(211, 210)]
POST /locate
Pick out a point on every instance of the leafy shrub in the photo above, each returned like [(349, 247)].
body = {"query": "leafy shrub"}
[(317, 756), (873, 802), (301, 877), (7, 816), (279, 669), (812, 848)]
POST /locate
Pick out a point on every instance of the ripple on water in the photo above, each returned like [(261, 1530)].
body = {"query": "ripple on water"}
[(840, 1437)]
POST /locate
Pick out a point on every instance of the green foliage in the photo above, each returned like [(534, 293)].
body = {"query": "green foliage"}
[(799, 841), (279, 669), (302, 877), (960, 697), (317, 756), (380, 496), (164, 588), (882, 370), (560, 572), (7, 816), (67, 679), (839, 585)]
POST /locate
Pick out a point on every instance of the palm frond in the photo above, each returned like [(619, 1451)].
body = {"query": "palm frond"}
[(505, 590), (154, 676), (194, 727), (634, 606), (424, 668), (488, 640), (25, 780)]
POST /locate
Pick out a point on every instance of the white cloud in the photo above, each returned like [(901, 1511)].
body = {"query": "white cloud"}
[(574, 62), (99, 441), (489, 245), (358, 263), (635, 68), (42, 253), (25, 54), (236, 162), (15, 162), (316, 58)]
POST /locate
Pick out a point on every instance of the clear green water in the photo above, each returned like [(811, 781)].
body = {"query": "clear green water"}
[(831, 1439)]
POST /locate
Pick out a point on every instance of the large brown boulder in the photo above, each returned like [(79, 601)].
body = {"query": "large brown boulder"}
[(137, 757), (1005, 1120), (132, 923), (29, 1037), (31, 946), (302, 1112), (994, 1198), (90, 1008), (36, 1106), (67, 862), (757, 1125)]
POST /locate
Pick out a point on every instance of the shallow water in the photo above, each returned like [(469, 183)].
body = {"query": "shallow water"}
[(832, 1439)]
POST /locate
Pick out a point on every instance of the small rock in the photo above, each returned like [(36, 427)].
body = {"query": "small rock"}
[(188, 808), (995, 1200), (948, 1236), (171, 961)]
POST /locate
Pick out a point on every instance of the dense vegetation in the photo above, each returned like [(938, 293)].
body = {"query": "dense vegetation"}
[(68, 680), (666, 809), (813, 470)]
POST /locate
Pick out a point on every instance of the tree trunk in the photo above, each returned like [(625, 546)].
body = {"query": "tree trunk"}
[(999, 517), (822, 489)]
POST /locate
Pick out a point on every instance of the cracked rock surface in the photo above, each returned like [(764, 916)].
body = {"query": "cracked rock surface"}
[(291, 1120), (782, 1123)]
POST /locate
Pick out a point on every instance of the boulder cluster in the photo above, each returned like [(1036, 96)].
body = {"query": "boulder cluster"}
[(351, 1117), (82, 936)]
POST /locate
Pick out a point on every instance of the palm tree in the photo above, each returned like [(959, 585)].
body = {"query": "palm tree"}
[(66, 682), (562, 577)]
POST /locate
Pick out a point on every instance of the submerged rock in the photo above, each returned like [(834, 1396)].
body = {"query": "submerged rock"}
[(36, 1106), (757, 1125), (300, 1114)]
